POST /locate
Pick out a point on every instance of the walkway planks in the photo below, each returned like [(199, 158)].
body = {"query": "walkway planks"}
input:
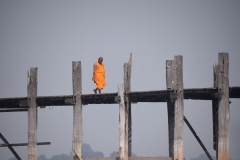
[(109, 98)]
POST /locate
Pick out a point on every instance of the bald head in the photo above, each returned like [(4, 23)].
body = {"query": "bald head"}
[(100, 59)]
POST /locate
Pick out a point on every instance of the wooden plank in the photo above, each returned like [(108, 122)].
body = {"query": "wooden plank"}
[(174, 80), (77, 111), (170, 106), (123, 136), (109, 98), (10, 147), (32, 114), (215, 109), (13, 110), (127, 89), (23, 144), (169, 74), (223, 107), (178, 150)]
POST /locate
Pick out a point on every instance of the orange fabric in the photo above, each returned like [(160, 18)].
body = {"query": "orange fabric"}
[(99, 75)]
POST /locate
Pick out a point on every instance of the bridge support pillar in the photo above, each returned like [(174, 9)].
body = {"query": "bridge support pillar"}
[(127, 88), (174, 80), (32, 114), (123, 126), (220, 108), (77, 111)]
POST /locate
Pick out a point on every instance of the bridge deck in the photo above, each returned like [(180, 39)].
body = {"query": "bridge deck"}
[(109, 98)]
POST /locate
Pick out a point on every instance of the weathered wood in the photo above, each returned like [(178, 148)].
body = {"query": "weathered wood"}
[(178, 150), (23, 144), (174, 80), (78, 155), (215, 109), (170, 106), (32, 114), (77, 111), (123, 134), (10, 147), (109, 98), (127, 89), (197, 138), (13, 110), (223, 107), (170, 74)]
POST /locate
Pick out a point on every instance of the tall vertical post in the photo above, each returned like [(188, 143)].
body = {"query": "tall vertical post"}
[(215, 109), (32, 114), (123, 126), (127, 89), (77, 111), (170, 106), (223, 107), (174, 72)]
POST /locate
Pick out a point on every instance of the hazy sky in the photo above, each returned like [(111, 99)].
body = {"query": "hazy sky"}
[(51, 34)]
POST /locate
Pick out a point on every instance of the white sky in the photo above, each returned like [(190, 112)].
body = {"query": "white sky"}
[(51, 34)]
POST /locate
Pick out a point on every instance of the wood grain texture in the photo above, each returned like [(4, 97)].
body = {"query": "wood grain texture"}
[(123, 136), (174, 81), (178, 152), (170, 106), (215, 109), (223, 107), (32, 114), (127, 88), (77, 111)]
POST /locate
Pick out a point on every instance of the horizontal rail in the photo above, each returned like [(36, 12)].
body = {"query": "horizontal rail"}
[(23, 144), (110, 98)]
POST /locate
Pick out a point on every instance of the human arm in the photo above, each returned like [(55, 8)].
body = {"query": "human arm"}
[(93, 71)]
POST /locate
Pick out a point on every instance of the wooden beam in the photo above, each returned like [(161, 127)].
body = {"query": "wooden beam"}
[(77, 111), (215, 109), (178, 150), (32, 114), (223, 107), (10, 147), (123, 134), (13, 110), (174, 81), (23, 144), (127, 89), (170, 106)]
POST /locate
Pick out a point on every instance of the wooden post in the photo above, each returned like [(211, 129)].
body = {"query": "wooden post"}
[(127, 89), (123, 148), (32, 114), (223, 107), (215, 109), (170, 106), (77, 111), (174, 72), (179, 108)]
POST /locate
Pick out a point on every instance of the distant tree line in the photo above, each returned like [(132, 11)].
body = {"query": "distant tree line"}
[(87, 152)]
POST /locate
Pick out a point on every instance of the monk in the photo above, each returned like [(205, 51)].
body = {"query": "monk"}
[(99, 75)]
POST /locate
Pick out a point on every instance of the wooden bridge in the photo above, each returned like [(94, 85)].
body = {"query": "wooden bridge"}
[(174, 95)]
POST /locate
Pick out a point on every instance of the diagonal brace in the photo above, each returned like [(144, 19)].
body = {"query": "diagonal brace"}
[(10, 147), (198, 139)]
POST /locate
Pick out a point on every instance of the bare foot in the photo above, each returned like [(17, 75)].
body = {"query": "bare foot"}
[(99, 91), (95, 91)]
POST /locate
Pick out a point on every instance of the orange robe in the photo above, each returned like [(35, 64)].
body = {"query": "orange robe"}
[(99, 75)]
